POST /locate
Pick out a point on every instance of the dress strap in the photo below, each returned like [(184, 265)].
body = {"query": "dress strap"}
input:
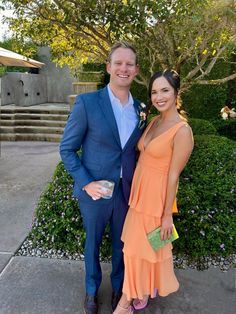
[(179, 126), (150, 124)]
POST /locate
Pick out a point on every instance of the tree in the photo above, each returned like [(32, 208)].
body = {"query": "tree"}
[(28, 49), (187, 35)]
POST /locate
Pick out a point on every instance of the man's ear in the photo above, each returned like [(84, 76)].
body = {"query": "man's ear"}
[(108, 67)]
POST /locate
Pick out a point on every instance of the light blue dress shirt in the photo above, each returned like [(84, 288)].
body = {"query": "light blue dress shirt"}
[(125, 115)]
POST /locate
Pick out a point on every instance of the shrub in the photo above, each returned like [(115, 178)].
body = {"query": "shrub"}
[(200, 126), (139, 92), (84, 76), (206, 199), (205, 101), (226, 127), (58, 223)]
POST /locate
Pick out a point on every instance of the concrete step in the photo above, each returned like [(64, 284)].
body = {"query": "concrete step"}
[(42, 110), (31, 129), (35, 123), (35, 116), (31, 137), (49, 123)]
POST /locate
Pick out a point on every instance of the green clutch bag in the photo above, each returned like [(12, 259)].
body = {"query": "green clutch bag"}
[(154, 238)]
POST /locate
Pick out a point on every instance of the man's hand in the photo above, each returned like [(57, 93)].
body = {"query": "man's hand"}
[(94, 190)]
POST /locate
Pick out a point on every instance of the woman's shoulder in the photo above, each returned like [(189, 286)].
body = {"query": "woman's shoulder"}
[(184, 130), (184, 125)]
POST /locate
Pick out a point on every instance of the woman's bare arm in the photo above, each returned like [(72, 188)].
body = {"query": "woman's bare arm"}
[(183, 146)]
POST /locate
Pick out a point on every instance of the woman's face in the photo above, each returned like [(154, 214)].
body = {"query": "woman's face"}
[(163, 95)]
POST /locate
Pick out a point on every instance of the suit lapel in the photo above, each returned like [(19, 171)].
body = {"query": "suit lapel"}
[(106, 107)]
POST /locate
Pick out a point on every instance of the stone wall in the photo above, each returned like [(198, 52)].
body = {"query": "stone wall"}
[(59, 80), (23, 89), (53, 84)]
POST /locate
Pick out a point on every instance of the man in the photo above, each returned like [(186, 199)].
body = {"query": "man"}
[(106, 124)]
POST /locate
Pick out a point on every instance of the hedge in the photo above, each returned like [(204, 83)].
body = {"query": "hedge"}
[(201, 126), (206, 199), (57, 223), (206, 101), (226, 127)]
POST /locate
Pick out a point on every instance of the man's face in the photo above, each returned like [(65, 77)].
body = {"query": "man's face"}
[(122, 68)]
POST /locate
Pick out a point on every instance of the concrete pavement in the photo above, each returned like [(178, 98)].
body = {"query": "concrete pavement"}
[(32, 285), (25, 168)]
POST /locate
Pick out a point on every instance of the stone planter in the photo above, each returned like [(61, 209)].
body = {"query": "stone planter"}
[(87, 82), (80, 88)]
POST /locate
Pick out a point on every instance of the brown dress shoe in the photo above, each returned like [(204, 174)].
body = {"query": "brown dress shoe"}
[(91, 304), (115, 298)]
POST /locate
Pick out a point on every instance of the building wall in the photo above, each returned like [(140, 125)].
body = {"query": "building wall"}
[(53, 84), (23, 89), (59, 80)]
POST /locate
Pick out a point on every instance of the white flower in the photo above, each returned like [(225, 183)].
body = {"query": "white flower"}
[(143, 116), (202, 233), (224, 115), (232, 113)]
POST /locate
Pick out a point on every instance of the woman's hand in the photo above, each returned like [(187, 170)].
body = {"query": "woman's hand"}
[(166, 227)]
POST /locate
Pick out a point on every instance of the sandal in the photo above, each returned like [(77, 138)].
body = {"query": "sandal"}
[(122, 310), (140, 304)]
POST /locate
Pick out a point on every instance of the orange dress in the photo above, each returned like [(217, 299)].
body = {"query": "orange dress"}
[(145, 269)]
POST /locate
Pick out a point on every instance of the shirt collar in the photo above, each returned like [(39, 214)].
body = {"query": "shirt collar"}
[(114, 99)]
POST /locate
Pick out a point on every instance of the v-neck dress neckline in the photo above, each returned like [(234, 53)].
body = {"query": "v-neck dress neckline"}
[(153, 139)]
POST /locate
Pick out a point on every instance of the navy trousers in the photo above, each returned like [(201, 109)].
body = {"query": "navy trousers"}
[(95, 218)]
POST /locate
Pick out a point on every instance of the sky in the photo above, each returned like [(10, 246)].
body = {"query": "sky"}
[(4, 27)]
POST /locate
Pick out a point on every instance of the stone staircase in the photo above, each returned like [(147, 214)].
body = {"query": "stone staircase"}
[(35, 123), (43, 122)]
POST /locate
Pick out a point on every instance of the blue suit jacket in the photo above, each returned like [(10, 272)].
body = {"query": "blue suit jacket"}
[(92, 127)]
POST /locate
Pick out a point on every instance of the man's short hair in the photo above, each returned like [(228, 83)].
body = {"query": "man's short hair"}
[(122, 44)]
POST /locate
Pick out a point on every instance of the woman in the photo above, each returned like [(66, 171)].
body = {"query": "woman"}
[(165, 148)]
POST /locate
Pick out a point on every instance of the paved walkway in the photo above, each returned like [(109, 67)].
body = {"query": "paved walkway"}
[(30, 285)]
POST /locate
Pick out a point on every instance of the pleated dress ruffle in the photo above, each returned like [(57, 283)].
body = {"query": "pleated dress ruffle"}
[(147, 271)]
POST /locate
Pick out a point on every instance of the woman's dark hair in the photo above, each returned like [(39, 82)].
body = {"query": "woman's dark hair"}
[(174, 80)]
